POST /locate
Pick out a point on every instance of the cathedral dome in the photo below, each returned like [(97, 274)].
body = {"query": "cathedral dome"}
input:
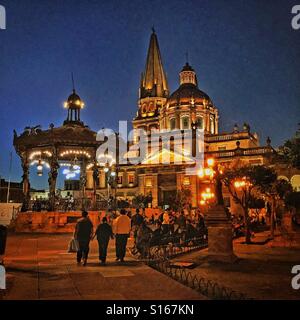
[(186, 93)]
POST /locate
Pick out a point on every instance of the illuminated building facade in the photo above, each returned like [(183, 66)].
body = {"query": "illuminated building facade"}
[(73, 146)]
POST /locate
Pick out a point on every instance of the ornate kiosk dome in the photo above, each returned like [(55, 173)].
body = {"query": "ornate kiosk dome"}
[(74, 105), (74, 101)]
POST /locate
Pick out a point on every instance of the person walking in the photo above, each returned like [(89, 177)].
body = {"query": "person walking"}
[(166, 223), (83, 234), (122, 226), (103, 234), (143, 240), (136, 221)]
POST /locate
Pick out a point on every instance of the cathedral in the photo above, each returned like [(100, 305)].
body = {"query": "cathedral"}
[(165, 111), (167, 167)]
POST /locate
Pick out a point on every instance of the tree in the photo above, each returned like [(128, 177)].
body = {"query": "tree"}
[(142, 200), (290, 151), (181, 200), (244, 184), (293, 200), (276, 193)]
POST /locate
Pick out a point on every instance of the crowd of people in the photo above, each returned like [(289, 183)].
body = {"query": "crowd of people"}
[(167, 227), (170, 226), (65, 204)]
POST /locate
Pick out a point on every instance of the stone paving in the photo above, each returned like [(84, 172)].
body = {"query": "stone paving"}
[(262, 271), (38, 267)]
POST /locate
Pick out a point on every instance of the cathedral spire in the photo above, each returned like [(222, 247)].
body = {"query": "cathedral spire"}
[(154, 81)]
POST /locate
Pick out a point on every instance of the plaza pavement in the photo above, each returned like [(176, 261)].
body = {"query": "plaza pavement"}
[(263, 270), (39, 267)]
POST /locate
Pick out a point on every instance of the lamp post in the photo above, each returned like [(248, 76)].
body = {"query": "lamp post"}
[(39, 168), (110, 172), (243, 185), (220, 247), (206, 196), (213, 172)]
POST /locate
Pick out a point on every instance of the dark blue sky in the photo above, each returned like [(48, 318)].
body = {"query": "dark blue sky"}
[(246, 55)]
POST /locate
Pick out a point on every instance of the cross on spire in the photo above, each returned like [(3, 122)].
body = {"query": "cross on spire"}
[(187, 57)]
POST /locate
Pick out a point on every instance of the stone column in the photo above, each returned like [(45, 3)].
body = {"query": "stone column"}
[(125, 179), (54, 166), (220, 247), (141, 184), (177, 115), (83, 178), (155, 191), (89, 179), (95, 183)]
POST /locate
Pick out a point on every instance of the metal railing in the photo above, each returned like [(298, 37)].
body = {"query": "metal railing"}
[(159, 258), (205, 287)]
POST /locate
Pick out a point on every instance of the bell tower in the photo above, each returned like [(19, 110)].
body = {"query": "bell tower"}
[(154, 90)]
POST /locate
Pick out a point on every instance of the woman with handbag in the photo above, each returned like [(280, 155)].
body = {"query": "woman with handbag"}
[(83, 234)]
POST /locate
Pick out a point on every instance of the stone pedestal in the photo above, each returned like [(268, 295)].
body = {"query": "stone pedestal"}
[(220, 248)]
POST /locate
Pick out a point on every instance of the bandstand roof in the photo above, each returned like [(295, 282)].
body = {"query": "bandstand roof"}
[(70, 134)]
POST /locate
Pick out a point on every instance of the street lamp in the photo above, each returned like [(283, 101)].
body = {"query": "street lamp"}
[(110, 172), (213, 172), (220, 247), (207, 195), (39, 168)]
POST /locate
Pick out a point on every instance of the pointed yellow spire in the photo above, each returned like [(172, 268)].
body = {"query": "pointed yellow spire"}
[(154, 80)]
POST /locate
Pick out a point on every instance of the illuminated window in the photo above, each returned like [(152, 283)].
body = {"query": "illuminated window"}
[(173, 124), (131, 178), (149, 182), (199, 123), (185, 123), (120, 178), (186, 181)]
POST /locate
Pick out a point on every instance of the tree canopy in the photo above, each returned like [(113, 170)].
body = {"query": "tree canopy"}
[(291, 150)]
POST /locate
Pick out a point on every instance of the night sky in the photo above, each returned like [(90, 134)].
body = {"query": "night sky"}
[(245, 53)]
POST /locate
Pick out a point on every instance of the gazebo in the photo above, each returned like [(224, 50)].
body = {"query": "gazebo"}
[(72, 145)]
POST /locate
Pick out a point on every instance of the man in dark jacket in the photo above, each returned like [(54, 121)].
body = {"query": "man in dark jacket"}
[(103, 234), (143, 240), (136, 221), (83, 234)]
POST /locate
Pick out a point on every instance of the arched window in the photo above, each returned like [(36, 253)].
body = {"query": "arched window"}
[(199, 122), (173, 124), (185, 122)]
